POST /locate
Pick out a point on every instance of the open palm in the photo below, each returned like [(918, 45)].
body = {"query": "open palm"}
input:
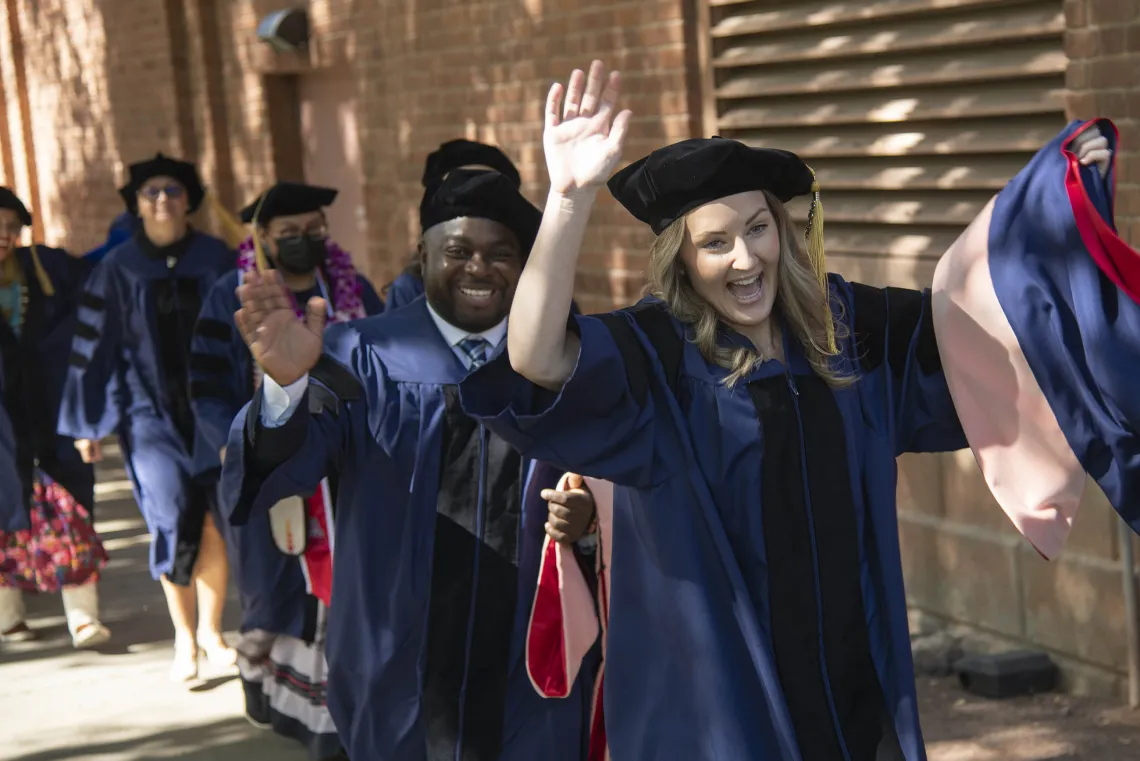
[(583, 138), (285, 347)]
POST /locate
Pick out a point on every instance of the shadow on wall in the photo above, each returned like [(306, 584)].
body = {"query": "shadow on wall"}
[(73, 125)]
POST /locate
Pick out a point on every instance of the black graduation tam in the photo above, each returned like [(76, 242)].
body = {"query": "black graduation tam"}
[(9, 200), (487, 195), (672, 181), (287, 198), (163, 166), (455, 154)]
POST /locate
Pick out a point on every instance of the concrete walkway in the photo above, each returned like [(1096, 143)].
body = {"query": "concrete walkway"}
[(118, 704)]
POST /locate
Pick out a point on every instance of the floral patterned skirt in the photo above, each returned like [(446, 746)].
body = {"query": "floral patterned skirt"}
[(60, 549)]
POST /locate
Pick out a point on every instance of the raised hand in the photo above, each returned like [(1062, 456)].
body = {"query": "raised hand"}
[(284, 346), (583, 138)]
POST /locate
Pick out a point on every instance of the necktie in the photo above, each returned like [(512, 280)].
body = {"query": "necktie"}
[(475, 347)]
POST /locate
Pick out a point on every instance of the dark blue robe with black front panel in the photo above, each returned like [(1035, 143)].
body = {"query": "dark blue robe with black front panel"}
[(34, 368), (757, 602), (271, 583), (436, 557), (129, 375)]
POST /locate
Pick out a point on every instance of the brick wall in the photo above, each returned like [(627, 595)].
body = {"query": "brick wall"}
[(135, 76), (437, 70)]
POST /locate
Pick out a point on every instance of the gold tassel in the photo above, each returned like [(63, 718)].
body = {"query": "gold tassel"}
[(233, 232), (41, 274), (817, 258), (262, 261)]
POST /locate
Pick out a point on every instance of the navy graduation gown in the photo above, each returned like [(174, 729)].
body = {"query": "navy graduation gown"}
[(128, 375), (757, 602), (430, 606), (271, 583), (120, 231), (405, 289), (35, 366), (13, 507), (1070, 289)]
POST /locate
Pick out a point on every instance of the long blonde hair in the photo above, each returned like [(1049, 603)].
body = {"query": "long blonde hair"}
[(802, 305)]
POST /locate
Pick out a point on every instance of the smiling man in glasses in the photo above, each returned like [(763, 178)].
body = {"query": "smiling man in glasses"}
[(283, 562)]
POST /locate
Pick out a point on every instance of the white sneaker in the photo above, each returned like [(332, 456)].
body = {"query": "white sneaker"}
[(91, 635)]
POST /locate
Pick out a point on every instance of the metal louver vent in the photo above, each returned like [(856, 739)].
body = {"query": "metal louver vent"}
[(912, 112)]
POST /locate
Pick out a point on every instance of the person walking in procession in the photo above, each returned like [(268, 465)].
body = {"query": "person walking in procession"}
[(50, 544), (129, 375), (282, 559)]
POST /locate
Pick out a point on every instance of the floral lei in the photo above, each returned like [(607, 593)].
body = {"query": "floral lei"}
[(343, 285)]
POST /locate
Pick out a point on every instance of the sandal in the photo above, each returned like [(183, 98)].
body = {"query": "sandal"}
[(19, 633), (218, 653), (185, 666)]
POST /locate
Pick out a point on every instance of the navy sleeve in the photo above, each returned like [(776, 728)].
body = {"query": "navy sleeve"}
[(220, 375), (405, 289), (265, 465), (894, 342), (602, 422), (91, 404)]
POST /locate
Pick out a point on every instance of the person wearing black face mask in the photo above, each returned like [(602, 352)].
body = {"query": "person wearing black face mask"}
[(282, 563)]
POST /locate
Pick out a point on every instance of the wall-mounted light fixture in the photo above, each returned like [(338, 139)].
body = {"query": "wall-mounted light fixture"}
[(285, 31)]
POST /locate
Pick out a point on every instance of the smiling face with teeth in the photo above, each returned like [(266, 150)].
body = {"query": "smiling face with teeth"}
[(731, 255), (470, 269)]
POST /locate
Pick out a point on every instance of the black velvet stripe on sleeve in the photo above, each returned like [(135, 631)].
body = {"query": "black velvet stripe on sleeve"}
[(92, 301), (86, 331), (214, 329), (78, 360), (209, 390), (885, 324), (210, 364)]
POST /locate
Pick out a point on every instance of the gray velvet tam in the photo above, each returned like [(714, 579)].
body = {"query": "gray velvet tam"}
[(672, 181), (286, 199), (482, 194), (455, 154), (163, 166)]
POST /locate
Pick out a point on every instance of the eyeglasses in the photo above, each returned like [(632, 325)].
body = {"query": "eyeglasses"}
[(152, 192)]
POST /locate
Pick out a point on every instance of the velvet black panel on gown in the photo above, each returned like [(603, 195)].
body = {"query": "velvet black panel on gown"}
[(177, 302), (474, 590), (811, 539)]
